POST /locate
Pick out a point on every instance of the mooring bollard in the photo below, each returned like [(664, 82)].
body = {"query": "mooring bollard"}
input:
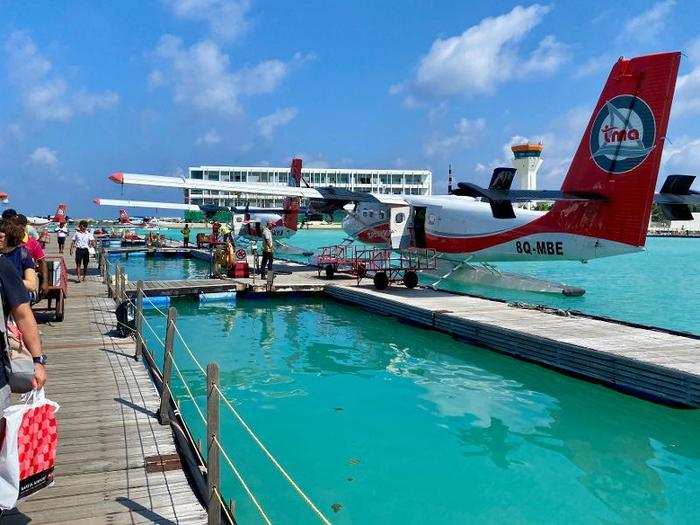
[(164, 410), (213, 474), (138, 320)]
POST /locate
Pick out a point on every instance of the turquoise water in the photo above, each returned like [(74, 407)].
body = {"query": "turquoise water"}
[(139, 267), (396, 424)]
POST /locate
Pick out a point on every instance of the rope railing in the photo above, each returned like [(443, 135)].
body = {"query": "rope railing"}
[(220, 395)]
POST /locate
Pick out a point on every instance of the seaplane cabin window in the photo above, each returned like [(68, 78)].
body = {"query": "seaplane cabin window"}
[(399, 218), (371, 214), (364, 213), (381, 214), (197, 174), (432, 219)]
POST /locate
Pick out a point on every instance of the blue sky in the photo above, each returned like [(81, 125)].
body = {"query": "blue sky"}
[(93, 87)]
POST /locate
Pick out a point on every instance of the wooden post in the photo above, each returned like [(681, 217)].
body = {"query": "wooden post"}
[(164, 410), (139, 320), (122, 285), (116, 293), (213, 483)]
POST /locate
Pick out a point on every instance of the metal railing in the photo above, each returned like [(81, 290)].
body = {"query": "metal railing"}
[(170, 402)]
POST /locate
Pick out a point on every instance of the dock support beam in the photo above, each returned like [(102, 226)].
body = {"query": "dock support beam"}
[(164, 410), (213, 475), (138, 318)]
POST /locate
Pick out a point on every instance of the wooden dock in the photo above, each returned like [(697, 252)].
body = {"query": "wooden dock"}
[(107, 426), (650, 363)]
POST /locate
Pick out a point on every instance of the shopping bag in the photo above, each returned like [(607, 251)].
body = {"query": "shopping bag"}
[(28, 451)]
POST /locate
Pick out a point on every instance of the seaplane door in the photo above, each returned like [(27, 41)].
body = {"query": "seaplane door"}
[(398, 225)]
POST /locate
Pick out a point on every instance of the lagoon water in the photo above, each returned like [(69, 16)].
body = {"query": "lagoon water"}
[(397, 424), (381, 422)]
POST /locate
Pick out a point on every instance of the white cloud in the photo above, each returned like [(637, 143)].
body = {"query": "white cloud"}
[(201, 76), (682, 155), (648, 25), (210, 137), (559, 143), (45, 94), (687, 97), (484, 55), (226, 18), (464, 134), (268, 124), (43, 157), (479, 167), (155, 79)]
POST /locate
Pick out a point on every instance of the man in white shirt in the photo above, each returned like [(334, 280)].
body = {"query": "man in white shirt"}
[(82, 241)]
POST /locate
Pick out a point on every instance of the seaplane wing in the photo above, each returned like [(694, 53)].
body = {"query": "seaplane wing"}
[(328, 193), (146, 204)]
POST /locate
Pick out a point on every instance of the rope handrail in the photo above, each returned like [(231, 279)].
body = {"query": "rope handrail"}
[(274, 461), (235, 470), (240, 419)]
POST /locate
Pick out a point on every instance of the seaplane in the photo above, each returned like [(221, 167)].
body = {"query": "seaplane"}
[(59, 217), (247, 222), (602, 208)]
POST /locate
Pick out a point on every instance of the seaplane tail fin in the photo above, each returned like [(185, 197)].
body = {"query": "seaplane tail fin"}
[(619, 155), (124, 217), (291, 204), (60, 215)]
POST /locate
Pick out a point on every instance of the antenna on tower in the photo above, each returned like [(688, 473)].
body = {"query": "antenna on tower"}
[(449, 179)]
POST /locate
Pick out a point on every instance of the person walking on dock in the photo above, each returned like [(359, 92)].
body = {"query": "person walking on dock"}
[(61, 234), (185, 235), (268, 247), (82, 241)]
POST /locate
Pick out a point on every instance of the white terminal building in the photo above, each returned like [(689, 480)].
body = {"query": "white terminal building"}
[(396, 182)]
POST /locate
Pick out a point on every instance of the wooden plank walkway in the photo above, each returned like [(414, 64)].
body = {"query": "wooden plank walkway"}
[(107, 426)]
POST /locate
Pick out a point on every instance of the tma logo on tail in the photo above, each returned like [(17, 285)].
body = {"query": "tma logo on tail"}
[(622, 134)]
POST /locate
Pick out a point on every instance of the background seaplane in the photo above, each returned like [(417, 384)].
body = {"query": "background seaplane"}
[(59, 217), (602, 209), (247, 223)]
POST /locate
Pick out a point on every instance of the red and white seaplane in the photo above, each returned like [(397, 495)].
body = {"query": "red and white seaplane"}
[(247, 222), (602, 209)]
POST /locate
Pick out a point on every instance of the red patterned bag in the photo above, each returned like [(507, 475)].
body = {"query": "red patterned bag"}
[(28, 452)]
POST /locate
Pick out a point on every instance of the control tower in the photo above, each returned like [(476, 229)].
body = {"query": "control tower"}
[(526, 159)]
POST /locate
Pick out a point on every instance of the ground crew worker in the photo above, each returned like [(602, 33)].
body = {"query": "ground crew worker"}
[(185, 235), (225, 231), (268, 247)]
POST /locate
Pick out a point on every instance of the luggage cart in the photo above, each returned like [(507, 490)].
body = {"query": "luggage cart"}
[(385, 266), (57, 290)]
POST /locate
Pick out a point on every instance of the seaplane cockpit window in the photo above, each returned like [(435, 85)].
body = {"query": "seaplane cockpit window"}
[(399, 218)]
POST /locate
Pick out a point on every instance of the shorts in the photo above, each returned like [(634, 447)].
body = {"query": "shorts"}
[(82, 256), (61, 241)]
